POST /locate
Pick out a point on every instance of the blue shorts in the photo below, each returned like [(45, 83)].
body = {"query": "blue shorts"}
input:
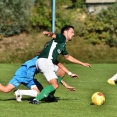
[(16, 81)]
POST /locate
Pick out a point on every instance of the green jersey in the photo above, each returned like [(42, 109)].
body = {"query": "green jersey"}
[(54, 48)]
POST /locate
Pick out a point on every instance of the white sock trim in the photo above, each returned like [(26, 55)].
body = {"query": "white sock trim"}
[(114, 77), (32, 93)]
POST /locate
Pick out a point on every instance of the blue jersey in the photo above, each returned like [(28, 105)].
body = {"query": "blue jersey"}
[(28, 69), (25, 74)]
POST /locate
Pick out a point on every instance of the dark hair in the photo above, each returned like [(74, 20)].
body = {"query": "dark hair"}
[(67, 27)]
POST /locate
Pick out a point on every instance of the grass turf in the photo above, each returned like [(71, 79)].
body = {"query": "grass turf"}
[(70, 104)]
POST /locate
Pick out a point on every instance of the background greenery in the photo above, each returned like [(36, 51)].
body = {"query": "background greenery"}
[(70, 104), (20, 48), (22, 23)]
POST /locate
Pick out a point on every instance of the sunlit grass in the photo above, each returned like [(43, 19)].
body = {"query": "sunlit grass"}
[(70, 104)]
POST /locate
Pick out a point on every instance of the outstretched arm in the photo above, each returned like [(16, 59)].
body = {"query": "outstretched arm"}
[(61, 66), (49, 34), (72, 75), (72, 59), (70, 88)]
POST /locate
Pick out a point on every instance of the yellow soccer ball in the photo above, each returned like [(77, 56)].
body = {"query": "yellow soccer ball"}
[(98, 98)]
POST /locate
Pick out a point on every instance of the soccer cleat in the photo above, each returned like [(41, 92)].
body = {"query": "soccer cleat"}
[(51, 99), (18, 95), (34, 101), (112, 82)]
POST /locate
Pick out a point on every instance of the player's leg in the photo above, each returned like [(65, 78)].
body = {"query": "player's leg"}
[(15, 81), (47, 68), (112, 79), (9, 87), (34, 86), (60, 73), (48, 89)]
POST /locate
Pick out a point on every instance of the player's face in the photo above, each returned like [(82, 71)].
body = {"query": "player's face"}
[(70, 34)]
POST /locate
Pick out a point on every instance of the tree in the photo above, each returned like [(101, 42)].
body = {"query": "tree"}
[(13, 16), (41, 17), (78, 3)]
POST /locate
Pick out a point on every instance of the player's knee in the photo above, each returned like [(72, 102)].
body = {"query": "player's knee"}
[(54, 83), (55, 86), (7, 91), (62, 74)]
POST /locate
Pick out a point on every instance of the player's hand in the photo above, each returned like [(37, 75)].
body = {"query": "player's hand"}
[(70, 88), (74, 76), (86, 64), (47, 33)]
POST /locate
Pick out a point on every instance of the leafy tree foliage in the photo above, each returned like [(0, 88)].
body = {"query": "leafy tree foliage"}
[(41, 17), (109, 18), (13, 17), (19, 15), (101, 28), (78, 3)]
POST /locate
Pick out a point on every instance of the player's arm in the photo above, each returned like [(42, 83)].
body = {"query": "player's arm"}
[(70, 88), (49, 34), (72, 75), (72, 59)]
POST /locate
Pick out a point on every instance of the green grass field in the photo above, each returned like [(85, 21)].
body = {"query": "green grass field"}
[(70, 104)]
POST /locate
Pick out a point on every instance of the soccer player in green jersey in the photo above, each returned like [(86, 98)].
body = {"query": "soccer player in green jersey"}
[(48, 56)]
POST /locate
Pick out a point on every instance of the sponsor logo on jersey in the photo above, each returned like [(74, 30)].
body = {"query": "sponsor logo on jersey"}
[(59, 51)]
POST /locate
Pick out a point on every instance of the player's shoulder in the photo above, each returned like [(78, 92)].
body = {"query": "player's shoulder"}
[(60, 38)]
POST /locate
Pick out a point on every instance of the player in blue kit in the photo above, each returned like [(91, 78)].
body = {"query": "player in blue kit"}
[(25, 75)]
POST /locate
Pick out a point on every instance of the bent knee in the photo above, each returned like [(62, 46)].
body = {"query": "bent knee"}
[(55, 86), (62, 74), (6, 91)]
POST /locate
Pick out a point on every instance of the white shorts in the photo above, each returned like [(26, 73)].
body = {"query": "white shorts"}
[(47, 67)]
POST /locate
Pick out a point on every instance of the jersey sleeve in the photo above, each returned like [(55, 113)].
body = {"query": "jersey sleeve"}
[(60, 38)]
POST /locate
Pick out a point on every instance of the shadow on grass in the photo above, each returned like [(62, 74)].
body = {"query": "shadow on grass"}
[(27, 99), (43, 101)]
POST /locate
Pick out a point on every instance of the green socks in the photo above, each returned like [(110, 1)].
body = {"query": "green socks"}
[(59, 81), (47, 90)]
